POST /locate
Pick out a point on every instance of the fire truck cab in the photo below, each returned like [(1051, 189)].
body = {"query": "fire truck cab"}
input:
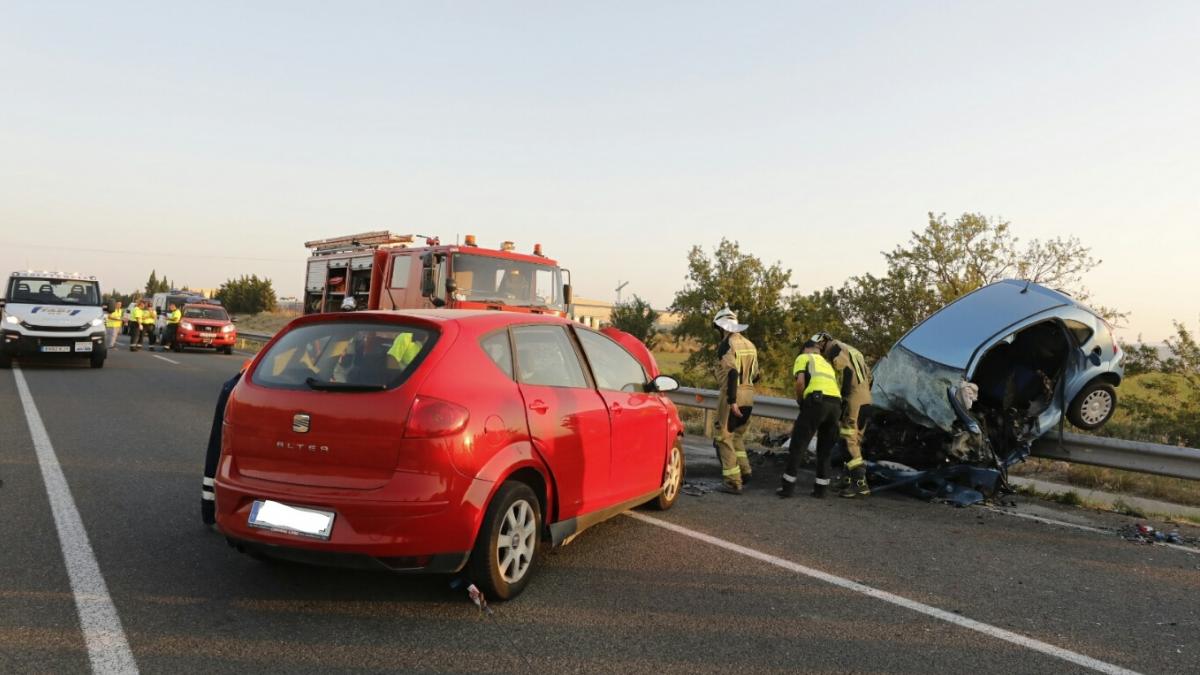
[(381, 270)]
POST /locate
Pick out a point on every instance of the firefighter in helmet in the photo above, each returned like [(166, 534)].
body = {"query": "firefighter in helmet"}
[(737, 370), (854, 383)]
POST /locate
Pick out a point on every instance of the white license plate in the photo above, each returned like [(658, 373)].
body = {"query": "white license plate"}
[(54, 349), (269, 515), (83, 346)]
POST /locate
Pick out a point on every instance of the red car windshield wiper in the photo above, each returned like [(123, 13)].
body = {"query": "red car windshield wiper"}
[(314, 383)]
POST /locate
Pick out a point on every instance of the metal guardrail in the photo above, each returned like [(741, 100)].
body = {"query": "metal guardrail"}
[(1112, 453), (251, 342)]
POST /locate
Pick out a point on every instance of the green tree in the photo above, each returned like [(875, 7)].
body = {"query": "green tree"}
[(944, 262), (247, 295), (1140, 358), (756, 291), (1167, 406), (637, 318), (152, 283)]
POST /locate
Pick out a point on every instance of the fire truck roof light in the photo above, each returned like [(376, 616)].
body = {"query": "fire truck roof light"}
[(537, 250), (507, 246), (469, 240)]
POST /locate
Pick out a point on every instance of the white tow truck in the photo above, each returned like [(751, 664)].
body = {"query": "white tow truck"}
[(52, 313)]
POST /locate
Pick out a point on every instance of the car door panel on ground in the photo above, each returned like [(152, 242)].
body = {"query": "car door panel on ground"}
[(568, 419), (639, 419)]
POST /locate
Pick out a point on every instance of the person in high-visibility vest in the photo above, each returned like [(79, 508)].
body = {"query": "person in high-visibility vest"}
[(112, 325), (174, 316), (854, 383), (135, 326), (149, 317), (404, 350), (737, 371), (820, 409)]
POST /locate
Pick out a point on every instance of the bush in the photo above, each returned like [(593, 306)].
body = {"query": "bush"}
[(247, 295)]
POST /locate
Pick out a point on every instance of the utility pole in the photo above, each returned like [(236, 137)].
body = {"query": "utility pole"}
[(620, 285)]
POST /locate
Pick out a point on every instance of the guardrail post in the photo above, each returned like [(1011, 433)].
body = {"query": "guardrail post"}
[(708, 423)]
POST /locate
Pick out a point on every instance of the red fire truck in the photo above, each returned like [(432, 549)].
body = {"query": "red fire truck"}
[(382, 270)]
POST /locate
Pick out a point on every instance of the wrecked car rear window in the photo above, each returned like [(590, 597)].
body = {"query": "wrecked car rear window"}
[(952, 335)]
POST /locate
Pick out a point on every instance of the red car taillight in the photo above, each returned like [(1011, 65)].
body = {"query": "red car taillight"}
[(431, 418)]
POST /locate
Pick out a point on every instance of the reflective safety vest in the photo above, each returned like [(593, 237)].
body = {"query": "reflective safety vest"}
[(135, 314), (174, 317), (148, 317), (740, 357), (114, 319), (849, 357), (404, 350), (820, 375)]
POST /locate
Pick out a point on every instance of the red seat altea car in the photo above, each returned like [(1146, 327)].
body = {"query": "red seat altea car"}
[(433, 440)]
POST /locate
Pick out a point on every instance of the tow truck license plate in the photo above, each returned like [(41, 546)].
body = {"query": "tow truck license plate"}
[(55, 348), (269, 515)]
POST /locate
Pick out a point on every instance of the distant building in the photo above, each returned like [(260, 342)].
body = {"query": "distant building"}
[(598, 314)]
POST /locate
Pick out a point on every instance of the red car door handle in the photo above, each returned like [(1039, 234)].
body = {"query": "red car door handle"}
[(616, 408), (539, 407)]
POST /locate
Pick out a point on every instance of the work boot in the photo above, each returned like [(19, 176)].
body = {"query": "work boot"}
[(787, 487), (730, 488), (856, 485), (820, 488)]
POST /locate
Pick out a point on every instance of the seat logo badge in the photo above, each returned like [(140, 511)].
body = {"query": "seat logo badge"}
[(301, 423)]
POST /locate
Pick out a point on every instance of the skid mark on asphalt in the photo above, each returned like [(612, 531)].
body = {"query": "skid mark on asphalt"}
[(108, 650), (921, 608)]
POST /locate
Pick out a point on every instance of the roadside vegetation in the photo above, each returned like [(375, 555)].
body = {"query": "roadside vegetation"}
[(1159, 400), (264, 322)]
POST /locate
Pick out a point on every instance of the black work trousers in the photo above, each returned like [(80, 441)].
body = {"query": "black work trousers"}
[(212, 454), (135, 335), (168, 339), (819, 415)]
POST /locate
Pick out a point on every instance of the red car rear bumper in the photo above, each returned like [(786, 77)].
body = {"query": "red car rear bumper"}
[(380, 528)]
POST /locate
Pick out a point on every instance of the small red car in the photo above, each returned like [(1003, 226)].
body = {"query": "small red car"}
[(433, 440), (205, 325)]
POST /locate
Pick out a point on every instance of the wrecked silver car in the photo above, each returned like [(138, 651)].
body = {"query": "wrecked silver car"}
[(977, 382)]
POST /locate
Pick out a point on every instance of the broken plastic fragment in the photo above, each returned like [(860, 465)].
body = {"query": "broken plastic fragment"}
[(966, 393), (476, 597)]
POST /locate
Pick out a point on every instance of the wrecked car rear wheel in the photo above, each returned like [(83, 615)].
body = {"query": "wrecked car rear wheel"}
[(1093, 406)]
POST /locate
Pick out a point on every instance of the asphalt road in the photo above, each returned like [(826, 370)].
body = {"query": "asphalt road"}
[(627, 596)]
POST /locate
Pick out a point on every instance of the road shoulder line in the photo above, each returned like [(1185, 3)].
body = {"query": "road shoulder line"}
[(108, 649), (921, 608)]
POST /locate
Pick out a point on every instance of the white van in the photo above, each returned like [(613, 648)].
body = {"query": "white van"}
[(52, 313)]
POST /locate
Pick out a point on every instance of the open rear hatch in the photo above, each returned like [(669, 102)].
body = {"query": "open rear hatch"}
[(326, 406)]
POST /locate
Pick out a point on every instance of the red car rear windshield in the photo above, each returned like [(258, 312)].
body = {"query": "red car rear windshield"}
[(344, 356)]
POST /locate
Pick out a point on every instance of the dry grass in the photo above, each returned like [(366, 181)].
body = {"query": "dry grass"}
[(266, 322)]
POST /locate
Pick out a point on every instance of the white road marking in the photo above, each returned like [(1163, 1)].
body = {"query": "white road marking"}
[(1085, 528), (165, 359), (949, 617), (107, 647)]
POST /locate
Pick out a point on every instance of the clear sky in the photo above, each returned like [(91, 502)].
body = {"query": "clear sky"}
[(209, 140)]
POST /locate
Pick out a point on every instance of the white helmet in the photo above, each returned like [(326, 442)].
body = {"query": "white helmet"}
[(349, 305), (727, 321)]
